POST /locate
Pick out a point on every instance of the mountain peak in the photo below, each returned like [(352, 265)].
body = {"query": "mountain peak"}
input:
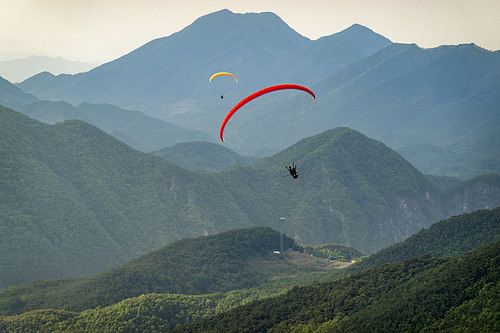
[(357, 26), (215, 16), (364, 38), (257, 25)]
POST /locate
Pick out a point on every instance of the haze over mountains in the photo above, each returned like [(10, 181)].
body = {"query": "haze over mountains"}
[(171, 73), (70, 193), (438, 107), (122, 165), (135, 128), (17, 70)]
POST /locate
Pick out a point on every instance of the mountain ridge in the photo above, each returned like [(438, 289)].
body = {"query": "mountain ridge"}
[(18, 70), (12, 96), (415, 100), (132, 127), (480, 227), (364, 301), (406, 96), (199, 155), (200, 265), (450, 237), (56, 178), (255, 45)]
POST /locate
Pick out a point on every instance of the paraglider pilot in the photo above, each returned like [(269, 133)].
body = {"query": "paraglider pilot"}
[(293, 170)]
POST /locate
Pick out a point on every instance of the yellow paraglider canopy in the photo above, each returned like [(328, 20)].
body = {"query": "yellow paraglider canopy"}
[(222, 73)]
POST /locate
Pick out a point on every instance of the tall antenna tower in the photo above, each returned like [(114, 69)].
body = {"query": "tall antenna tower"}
[(282, 219)]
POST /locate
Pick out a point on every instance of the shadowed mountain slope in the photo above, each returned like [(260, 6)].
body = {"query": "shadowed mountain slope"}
[(447, 238), (420, 101), (230, 260), (70, 192), (201, 269), (418, 294)]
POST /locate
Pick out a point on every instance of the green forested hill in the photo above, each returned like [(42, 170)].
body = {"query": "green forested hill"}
[(136, 129), (227, 261), (162, 312), (420, 294), (446, 238), (76, 201)]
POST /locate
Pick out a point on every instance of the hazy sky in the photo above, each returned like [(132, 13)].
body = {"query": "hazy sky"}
[(98, 31)]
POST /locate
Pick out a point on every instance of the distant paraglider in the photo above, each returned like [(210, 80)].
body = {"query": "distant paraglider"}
[(223, 74)]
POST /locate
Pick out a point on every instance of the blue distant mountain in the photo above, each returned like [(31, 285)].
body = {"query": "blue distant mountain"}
[(18, 70), (135, 128), (170, 74), (417, 101)]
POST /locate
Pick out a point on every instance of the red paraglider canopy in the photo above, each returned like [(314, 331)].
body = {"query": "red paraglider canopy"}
[(257, 94)]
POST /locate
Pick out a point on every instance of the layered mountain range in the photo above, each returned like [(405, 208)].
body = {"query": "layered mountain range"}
[(18, 70), (171, 73), (238, 275), (71, 192), (121, 163), (438, 107)]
